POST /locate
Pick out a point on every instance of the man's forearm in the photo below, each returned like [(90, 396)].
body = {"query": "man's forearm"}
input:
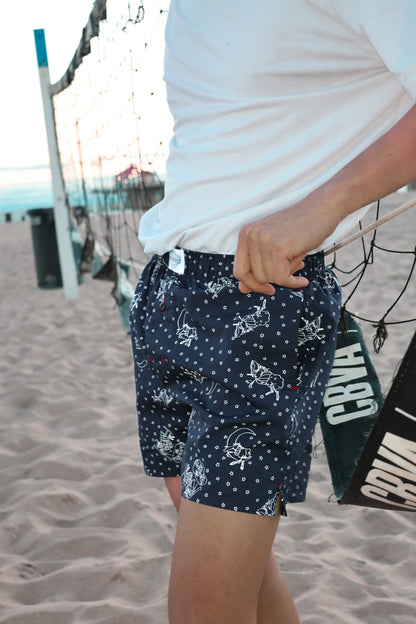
[(385, 166)]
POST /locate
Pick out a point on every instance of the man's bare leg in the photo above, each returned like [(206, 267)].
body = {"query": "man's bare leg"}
[(174, 487), (274, 602)]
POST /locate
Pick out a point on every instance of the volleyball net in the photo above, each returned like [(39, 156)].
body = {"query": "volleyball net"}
[(113, 128)]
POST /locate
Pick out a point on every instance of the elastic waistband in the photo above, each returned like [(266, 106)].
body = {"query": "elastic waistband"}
[(208, 266), (314, 264)]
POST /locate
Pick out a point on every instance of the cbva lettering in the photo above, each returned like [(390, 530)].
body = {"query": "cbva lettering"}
[(348, 366), (386, 479)]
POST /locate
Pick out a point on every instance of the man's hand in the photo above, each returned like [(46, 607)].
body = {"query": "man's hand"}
[(272, 249)]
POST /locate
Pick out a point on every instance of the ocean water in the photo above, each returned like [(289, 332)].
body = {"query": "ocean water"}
[(23, 188)]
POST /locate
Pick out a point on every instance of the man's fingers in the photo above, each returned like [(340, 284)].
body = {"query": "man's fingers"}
[(257, 269), (250, 284), (242, 257), (292, 281), (295, 281), (297, 265), (261, 263), (243, 269)]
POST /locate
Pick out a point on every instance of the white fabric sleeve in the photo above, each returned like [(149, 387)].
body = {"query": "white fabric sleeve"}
[(389, 25)]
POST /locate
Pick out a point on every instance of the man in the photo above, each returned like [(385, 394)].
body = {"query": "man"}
[(290, 118)]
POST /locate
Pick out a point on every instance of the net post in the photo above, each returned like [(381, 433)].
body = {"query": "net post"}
[(62, 222)]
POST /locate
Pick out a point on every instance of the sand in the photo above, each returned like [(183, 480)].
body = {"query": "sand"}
[(86, 537)]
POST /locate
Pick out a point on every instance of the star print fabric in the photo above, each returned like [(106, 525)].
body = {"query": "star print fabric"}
[(229, 385)]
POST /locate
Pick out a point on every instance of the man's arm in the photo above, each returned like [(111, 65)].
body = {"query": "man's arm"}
[(273, 248)]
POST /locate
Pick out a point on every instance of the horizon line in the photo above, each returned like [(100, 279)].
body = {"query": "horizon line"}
[(25, 167)]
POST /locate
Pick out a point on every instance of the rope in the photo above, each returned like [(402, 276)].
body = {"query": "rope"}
[(369, 228)]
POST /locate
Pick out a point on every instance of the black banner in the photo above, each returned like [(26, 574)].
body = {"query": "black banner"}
[(385, 476), (371, 446)]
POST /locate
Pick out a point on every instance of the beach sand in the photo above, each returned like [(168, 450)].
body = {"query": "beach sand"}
[(86, 537)]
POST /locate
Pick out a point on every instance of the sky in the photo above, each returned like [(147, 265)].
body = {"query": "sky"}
[(22, 129)]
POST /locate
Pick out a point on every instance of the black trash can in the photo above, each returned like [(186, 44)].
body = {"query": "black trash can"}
[(45, 248)]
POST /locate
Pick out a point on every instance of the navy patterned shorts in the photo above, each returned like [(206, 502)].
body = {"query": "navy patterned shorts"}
[(229, 385)]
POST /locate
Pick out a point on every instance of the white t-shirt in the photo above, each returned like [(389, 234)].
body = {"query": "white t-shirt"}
[(270, 99)]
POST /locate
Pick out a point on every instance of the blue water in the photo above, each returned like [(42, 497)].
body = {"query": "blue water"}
[(23, 189)]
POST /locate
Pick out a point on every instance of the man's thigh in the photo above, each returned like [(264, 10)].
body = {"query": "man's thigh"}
[(219, 560)]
